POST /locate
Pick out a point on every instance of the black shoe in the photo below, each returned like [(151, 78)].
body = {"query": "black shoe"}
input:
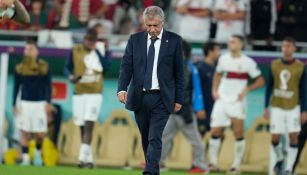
[(278, 167), (87, 165)]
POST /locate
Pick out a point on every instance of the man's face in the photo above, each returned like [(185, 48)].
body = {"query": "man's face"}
[(288, 48), (89, 44), (216, 52), (37, 7), (153, 26), (31, 51), (234, 44)]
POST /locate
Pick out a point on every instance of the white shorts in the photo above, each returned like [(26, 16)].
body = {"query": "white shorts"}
[(285, 121), (32, 116), (86, 107), (223, 111)]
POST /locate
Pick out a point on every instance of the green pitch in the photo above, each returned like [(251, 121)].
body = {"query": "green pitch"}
[(60, 170)]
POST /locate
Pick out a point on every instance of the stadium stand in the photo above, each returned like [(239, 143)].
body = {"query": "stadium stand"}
[(137, 158), (117, 140), (226, 152), (258, 140), (302, 166), (69, 137), (180, 156)]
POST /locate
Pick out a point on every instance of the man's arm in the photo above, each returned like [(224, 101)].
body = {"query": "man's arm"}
[(215, 84), (303, 96), (126, 66), (69, 68), (268, 93), (48, 83), (179, 76), (125, 73), (21, 14), (198, 102), (104, 60), (223, 15), (259, 82), (200, 13), (17, 82)]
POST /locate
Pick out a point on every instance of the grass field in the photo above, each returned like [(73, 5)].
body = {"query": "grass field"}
[(60, 170)]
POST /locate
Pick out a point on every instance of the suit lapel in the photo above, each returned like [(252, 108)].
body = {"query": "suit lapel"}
[(163, 46)]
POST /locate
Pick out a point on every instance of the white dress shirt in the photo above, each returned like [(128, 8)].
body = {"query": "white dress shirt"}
[(154, 80)]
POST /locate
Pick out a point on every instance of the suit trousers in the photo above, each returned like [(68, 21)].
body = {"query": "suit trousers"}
[(151, 120)]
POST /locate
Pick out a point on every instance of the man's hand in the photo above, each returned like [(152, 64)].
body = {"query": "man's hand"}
[(122, 97), (266, 114), (15, 111), (177, 107), (215, 95), (201, 114), (74, 79), (243, 94), (48, 108), (304, 117)]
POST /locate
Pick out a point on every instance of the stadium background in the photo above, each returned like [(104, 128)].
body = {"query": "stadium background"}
[(57, 57)]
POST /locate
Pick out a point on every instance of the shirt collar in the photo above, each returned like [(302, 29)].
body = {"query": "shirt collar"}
[(159, 36)]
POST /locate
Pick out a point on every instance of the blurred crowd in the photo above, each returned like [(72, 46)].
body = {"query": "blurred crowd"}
[(195, 20)]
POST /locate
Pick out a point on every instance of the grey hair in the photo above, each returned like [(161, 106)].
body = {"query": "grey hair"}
[(153, 12)]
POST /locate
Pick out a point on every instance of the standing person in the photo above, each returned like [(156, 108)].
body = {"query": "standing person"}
[(230, 87), (184, 120), (230, 16), (13, 9), (285, 94), (33, 80), (154, 59), (195, 19), (206, 69), (85, 68)]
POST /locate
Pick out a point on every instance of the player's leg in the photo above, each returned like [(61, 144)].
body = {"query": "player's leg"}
[(171, 129), (238, 130), (39, 138), (25, 136), (219, 120), (277, 127), (40, 127), (91, 113), (78, 105), (191, 133), (25, 127), (293, 127), (237, 112)]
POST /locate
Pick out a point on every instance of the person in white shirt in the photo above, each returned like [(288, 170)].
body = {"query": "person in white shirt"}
[(229, 89), (230, 16), (195, 19)]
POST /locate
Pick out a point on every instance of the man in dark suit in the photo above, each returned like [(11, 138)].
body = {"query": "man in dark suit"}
[(153, 66)]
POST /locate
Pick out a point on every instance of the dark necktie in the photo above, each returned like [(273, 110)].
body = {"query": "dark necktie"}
[(149, 64)]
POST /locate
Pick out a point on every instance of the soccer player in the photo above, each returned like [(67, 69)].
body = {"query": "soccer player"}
[(284, 95), (85, 68), (230, 87), (33, 80), (13, 9)]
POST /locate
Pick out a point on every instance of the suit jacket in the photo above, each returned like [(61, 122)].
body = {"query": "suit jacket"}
[(169, 70)]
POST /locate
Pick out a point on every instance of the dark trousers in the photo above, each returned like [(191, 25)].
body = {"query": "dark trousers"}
[(302, 138), (151, 121)]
